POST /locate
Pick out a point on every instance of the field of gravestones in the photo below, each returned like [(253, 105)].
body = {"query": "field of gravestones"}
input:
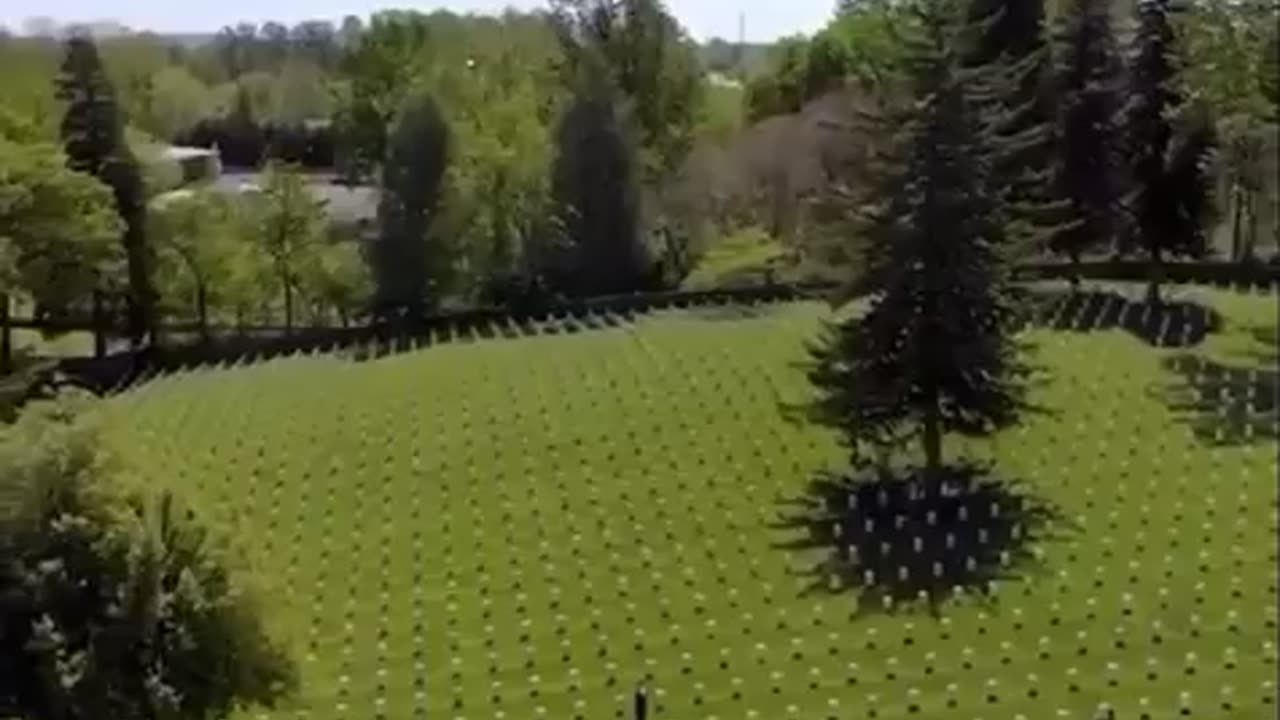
[(524, 527)]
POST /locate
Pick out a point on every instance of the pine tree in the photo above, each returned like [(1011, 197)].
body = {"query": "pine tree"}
[(406, 268), (1089, 170), (934, 353), (1168, 211), (93, 134), (1009, 36)]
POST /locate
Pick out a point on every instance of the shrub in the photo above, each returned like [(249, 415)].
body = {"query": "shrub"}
[(114, 601)]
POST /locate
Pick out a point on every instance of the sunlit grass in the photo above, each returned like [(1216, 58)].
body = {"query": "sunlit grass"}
[(523, 528)]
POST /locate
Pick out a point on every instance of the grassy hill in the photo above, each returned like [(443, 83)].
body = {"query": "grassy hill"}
[(522, 528)]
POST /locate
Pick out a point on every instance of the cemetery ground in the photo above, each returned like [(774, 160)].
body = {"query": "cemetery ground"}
[(523, 527)]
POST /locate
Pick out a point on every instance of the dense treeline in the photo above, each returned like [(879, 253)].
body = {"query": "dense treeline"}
[(583, 149), (1084, 65)]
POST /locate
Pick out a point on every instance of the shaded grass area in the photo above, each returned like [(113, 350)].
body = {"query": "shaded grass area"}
[(523, 527), (898, 542)]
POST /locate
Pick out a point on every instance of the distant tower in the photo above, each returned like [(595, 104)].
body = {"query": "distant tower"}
[(739, 52)]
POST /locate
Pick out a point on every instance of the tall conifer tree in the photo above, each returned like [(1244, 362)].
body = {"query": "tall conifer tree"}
[(1169, 205), (1090, 175), (935, 352)]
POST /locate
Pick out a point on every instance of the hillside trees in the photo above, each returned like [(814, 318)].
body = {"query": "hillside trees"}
[(934, 352), (1170, 204), (94, 138), (409, 263)]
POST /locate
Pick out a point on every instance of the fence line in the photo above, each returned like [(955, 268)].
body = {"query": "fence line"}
[(105, 370)]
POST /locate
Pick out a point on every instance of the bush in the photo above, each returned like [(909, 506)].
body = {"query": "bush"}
[(114, 601), (748, 256)]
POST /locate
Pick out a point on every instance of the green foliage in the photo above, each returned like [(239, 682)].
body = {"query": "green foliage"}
[(288, 222), (114, 600), (30, 66), (338, 276), (934, 352), (58, 227), (195, 248), (747, 256), (178, 101), (410, 263), (650, 62), (861, 46)]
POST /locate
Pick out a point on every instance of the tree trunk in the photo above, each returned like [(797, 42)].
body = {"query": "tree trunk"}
[(1157, 273), (1237, 221), (288, 308), (99, 326), (1251, 230), (202, 309), (932, 445), (6, 337)]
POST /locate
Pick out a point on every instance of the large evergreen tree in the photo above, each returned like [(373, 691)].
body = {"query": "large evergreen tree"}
[(934, 352), (1009, 37), (1168, 209), (405, 267), (1089, 169), (595, 187), (93, 134)]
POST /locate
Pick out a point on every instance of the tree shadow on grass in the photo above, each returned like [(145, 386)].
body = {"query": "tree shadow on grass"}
[(895, 545), (1229, 404), (1170, 324)]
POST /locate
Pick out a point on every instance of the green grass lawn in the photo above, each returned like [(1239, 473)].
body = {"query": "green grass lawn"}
[(522, 528)]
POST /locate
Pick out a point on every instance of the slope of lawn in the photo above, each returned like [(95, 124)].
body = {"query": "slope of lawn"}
[(522, 528)]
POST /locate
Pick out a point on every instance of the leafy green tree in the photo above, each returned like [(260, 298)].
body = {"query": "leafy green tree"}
[(30, 66), (195, 251), (1168, 216), (94, 139), (496, 195), (1089, 169), (178, 101), (337, 276), (934, 352), (378, 70), (115, 600), (58, 227), (290, 223), (408, 268)]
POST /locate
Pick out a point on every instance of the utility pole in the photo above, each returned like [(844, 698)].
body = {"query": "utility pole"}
[(740, 52)]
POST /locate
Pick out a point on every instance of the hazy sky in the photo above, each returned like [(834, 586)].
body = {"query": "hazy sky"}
[(765, 19)]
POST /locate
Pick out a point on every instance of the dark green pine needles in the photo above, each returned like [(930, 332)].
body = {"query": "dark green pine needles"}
[(934, 352)]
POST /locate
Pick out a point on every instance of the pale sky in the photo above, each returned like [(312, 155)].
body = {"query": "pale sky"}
[(765, 19)]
